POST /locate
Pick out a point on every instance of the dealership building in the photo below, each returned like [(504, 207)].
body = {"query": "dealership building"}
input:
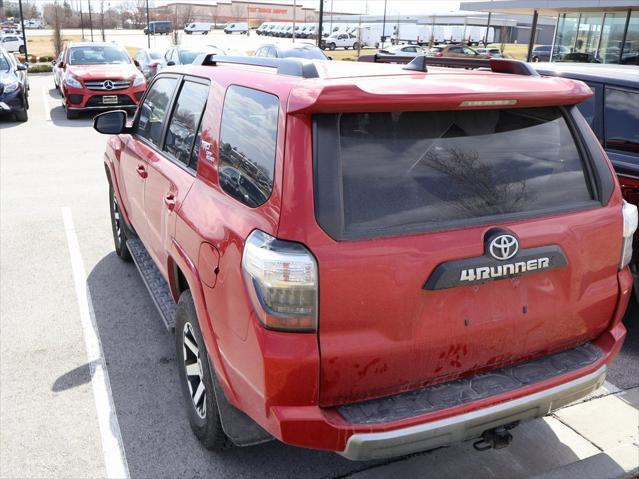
[(605, 31)]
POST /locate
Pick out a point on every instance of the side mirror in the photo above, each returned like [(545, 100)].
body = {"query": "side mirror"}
[(61, 65), (21, 67), (110, 122), (170, 63)]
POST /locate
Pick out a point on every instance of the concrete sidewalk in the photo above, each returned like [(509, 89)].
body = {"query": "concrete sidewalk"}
[(596, 438)]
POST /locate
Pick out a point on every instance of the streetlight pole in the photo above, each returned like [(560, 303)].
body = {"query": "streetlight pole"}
[(294, 17), (90, 20), (319, 27), (102, 20), (81, 20), (24, 37), (148, 32), (384, 25)]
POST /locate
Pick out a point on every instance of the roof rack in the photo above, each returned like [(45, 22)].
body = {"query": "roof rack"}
[(421, 62), (285, 66)]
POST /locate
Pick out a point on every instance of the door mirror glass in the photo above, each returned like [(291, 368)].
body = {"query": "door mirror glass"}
[(170, 63), (111, 122), (21, 67)]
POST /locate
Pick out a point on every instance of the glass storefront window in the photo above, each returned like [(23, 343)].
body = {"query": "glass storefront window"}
[(613, 29), (630, 54), (566, 32), (588, 34)]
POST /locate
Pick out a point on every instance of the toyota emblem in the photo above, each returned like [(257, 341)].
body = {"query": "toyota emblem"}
[(108, 85), (503, 247)]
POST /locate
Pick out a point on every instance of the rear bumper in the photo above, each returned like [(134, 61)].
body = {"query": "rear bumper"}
[(327, 428), (398, 442), (384, 429)]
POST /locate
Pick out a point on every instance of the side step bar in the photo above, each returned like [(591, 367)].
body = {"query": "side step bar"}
[(155, 282)]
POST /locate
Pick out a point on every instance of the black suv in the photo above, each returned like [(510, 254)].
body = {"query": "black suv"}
[(14, 87), (613, 114)]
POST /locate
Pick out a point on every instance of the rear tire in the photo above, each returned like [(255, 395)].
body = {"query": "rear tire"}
[(191, 353), (331, 46), (356, 46), (118, 228)]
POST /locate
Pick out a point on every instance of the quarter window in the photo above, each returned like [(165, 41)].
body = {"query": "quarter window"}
[(621, 120), (248, 140), (154, 109), (184, 122)]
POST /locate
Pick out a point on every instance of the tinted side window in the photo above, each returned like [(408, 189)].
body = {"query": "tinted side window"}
[(185, 120), (153, 110), (248, 139), (621, 120)]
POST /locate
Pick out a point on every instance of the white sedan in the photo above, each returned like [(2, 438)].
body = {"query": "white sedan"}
[(12, 43)]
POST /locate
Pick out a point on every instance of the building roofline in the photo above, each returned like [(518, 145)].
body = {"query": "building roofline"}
[(547, 7)]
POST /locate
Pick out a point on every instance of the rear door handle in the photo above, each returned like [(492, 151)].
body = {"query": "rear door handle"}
[(169, 201), (142, 171)]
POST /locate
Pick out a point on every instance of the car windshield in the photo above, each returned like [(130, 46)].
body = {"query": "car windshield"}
[(96, 55), (309, 53)]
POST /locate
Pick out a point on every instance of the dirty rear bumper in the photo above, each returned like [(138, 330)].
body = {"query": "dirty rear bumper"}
[(365, 446)]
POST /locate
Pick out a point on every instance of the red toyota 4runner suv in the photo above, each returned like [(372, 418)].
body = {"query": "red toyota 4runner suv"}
[(99, 76), (371, 259)]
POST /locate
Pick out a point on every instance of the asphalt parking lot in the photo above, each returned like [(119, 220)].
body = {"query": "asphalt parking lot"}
[(57, 257)]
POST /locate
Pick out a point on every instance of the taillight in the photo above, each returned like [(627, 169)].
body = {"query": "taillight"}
[(282, 280), (630, 220), (153, 65)]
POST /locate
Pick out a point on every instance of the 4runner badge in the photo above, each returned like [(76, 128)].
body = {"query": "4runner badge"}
[(502, 259)]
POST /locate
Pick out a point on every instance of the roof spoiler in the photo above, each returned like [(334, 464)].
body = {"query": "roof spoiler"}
[(297, 67), (421, 63)]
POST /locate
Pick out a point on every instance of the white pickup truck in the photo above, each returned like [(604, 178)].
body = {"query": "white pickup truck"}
[(341, 40)]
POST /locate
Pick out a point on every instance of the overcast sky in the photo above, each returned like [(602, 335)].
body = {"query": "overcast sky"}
[(372, 7), (376, 7)]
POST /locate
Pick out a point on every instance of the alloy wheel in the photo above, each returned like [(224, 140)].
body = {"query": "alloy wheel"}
[(117, 222), (193, 369)]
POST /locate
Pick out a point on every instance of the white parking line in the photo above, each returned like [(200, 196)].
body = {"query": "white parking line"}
[(47, 109), (112, 447)]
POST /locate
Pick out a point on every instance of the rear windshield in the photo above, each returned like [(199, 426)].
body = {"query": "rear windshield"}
[(381, 174)]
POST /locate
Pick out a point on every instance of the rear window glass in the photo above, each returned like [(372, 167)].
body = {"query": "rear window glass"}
[(381, 174), (622, 120)]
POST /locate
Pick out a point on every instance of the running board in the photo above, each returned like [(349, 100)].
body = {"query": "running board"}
[(155, 282)]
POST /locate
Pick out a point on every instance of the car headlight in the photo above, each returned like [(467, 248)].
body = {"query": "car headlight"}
[(11, 86), (72, 81), (138, 80)]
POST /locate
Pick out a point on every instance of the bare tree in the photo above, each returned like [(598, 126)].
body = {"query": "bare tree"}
[(57, 29)]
